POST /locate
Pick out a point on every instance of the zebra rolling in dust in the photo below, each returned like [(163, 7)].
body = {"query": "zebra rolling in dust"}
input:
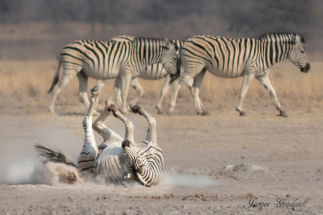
[(108, 60), (231, 58), (117, 159)]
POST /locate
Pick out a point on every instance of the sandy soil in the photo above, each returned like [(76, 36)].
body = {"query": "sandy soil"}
[(214, 164)]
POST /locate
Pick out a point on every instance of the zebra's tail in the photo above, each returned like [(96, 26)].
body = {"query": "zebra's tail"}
[(56, 77), (54, 156)]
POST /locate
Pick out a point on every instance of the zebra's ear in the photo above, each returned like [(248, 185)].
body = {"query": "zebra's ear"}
[(176, 47), (293, 39), (302, 38), (167, 43)]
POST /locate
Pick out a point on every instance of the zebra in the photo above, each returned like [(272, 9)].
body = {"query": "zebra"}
[(151, 72), (117, 158), (107, 60), (231, 58)]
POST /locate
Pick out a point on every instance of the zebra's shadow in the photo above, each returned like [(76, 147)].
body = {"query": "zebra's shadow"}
[(75, 113), (72, 114)]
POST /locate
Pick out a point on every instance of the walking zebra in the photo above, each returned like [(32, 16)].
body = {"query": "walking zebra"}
[(232, 58), (151, 72), (108, 60), (117, 159)]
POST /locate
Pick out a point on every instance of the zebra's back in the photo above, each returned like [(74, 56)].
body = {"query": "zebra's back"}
[(99, 59), (223, 57)]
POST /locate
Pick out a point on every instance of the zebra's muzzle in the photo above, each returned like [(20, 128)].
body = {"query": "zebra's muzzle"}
[(306, 68), (173, 77)]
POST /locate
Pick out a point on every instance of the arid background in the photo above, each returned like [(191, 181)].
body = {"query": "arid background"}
[(213, 164)]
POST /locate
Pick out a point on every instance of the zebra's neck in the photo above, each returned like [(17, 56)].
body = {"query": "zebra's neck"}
[(149, 51), (272, 52)]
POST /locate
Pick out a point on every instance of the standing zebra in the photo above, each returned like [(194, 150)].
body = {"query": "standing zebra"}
[(108, 60), (116, 159), (151, 72), (232, 58)]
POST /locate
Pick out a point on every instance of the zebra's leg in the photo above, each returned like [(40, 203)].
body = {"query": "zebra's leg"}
[(125, 83), (117, 92), (83, 80), (140, 92), (67, 76), (163, 92), (151, 133), (264, 80), (198, 79), (247, 78), (89, 151), (108, 135), (176, 86), (101, 83), (129, 134), (189, 84)]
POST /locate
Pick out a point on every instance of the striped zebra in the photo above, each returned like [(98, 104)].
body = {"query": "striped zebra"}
[(117, 159), (232, 58), (107, 60), (151, 72)]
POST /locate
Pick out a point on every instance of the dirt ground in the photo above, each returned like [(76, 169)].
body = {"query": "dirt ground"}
[(220, 163)]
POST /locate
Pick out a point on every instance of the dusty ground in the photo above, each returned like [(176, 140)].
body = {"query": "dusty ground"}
[(213, 164)]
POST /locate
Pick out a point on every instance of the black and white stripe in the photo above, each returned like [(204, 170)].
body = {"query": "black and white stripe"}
[(231, 58), (116, 159), (107, 60), (151, 72)]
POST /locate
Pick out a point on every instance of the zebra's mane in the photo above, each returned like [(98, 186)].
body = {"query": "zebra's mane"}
[(149, 41), (285, 37)]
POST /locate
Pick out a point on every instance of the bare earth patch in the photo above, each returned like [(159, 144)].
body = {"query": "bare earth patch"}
[(220, 163), (216, 164)]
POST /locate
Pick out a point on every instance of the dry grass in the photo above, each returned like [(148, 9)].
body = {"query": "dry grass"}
[(24, 86)]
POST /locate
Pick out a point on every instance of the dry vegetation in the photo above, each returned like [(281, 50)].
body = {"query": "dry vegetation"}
[(27, 66), (24, 86)]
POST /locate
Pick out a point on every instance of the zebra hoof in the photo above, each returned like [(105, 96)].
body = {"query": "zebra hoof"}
[(242, 113), (282, 113), (95, 91), (102, 146), (135, 108)]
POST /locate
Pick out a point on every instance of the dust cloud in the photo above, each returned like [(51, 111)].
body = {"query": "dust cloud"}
[(187, 180), (20, 163)]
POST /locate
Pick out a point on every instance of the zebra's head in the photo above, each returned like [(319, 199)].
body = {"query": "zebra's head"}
[(135, 162), (298, 54), (170, 57)]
